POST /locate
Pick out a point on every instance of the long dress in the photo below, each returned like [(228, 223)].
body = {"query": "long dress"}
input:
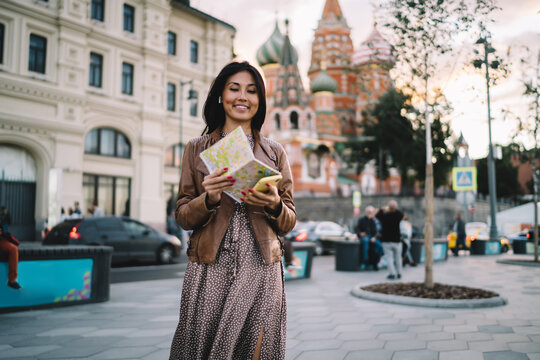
[(227, 306)]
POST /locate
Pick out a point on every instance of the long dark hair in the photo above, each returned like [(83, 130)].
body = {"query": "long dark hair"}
[(214, 114)]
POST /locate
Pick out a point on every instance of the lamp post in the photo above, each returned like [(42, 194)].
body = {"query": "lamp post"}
[(488, 49), (191, 96)]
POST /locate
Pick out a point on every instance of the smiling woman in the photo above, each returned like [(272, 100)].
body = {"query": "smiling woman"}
[(233, 298)]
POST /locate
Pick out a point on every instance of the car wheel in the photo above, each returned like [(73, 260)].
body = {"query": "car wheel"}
[(318, 248), (504, 248), (165, 254)]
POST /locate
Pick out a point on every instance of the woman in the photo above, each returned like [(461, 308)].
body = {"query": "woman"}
[(233, 300)]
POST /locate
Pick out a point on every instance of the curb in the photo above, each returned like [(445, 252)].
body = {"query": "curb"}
[(518, 262), (435, 303)]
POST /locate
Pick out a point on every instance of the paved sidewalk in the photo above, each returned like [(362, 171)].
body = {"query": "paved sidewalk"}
[(324, 320)]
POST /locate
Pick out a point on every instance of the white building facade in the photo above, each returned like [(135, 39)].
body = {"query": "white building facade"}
[(90, 104)]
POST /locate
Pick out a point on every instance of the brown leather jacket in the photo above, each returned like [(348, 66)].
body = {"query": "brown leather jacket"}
[(209, 225)]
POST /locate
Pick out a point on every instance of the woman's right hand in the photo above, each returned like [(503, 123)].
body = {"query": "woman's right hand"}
[(215, 183)]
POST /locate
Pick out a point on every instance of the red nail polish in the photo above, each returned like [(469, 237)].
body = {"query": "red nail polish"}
[(251, 191), (225, 169), (243, 193), (229, 177), (233, 180), (241, 199), (267, 184)]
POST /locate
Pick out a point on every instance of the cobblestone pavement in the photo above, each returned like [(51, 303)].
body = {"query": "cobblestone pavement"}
[(324, 320)]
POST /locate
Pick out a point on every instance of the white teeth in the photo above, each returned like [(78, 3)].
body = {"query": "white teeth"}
[(241, 107)]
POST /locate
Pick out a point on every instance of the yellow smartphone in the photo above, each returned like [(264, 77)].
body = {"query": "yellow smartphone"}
[(272, 180)]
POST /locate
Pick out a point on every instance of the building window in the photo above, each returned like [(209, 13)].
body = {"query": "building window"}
[(277, 122), (129, 18), (96, 70), (294, 120), (171, 43), (37, 53), (193, 103), (127, 78), (171, 96), (98, 10), (111, 194), (2, 30), (107, 142), (172, 156), (194, 51)]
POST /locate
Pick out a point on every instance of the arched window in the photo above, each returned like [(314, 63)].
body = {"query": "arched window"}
[(294, 120), (172, 156), (107, 142), (309, 122), (278, 122)]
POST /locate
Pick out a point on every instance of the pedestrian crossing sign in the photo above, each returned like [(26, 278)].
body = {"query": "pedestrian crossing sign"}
[(464, 178)]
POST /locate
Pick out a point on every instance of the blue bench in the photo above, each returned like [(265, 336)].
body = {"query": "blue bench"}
[(53, 276)]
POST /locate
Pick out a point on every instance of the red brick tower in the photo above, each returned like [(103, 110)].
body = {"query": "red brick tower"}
[(332, 44)]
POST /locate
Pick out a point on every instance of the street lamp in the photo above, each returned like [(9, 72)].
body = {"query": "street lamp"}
[(488, 49), (191, 97)]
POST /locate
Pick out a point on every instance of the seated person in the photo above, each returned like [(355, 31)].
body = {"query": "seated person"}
[(9, 244)]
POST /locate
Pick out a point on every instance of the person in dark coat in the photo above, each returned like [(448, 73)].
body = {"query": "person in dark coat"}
[(366, 230), (390, 218), (459, 229), (5, 218)]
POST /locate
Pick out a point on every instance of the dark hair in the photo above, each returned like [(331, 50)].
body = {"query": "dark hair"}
[(214, 114)]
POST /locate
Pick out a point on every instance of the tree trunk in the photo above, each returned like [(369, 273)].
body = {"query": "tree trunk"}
[(428, 229)]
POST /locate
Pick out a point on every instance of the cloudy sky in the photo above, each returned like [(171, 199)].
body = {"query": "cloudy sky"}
[(516, 25)]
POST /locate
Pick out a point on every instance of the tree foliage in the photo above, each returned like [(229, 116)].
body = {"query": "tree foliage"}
[(506, 174)]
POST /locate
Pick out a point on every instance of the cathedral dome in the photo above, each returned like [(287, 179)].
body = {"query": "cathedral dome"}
[(323, 82), (270, 51), (374, 50)]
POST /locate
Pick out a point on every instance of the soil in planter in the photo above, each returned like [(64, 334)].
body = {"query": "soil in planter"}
[(439, 291)]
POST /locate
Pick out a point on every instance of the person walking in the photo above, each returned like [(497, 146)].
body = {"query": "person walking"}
[(233, 298), (366, 230), (405, 228), (5, 218), (96, 210), (77, 213), (459, 229), (10, 245), (390, 218)]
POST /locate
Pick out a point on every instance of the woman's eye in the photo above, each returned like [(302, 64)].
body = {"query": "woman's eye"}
[(233, 89), (252, 91)]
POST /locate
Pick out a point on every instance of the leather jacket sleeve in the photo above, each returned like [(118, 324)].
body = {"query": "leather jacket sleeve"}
[(285, 221), (191, 210)]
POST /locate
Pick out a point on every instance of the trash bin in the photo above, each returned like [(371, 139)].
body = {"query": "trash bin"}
[(347, 255), (478, 247), (519, 246), (416, 250)]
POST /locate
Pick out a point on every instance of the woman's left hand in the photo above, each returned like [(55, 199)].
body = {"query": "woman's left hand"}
[(268, 198)]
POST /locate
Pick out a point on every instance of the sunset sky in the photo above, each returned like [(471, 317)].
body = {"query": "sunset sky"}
[(516, 25)]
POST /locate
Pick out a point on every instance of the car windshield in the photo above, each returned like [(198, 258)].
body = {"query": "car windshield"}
[(67, 225), (304, 226)]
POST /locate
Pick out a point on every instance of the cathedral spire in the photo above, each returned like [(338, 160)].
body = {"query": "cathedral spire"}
[(289, 89), (332, 10)]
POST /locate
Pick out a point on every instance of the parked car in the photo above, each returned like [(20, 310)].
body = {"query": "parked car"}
[(320, 233), (474, 231), (131, 239), (525, 235)]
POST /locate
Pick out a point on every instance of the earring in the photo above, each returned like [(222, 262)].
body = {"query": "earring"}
[(219, 100)]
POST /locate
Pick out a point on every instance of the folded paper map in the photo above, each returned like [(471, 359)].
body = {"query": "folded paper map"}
[(234, 152)]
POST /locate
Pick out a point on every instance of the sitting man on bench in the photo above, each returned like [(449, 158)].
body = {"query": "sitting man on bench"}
[(9, 244)]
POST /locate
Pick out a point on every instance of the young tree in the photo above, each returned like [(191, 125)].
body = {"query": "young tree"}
[(421, 31)]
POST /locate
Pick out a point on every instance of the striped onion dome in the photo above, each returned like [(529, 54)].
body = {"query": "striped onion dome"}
[(374, 50), (270, 51), (323, 82)]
